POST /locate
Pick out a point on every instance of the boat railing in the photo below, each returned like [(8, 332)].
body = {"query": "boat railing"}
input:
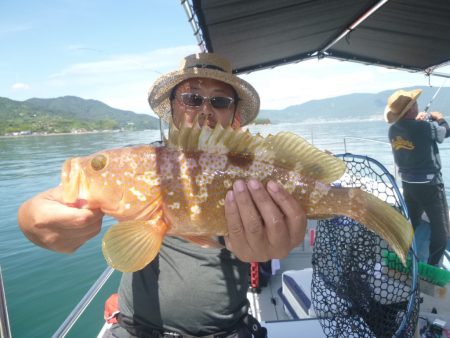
[(83, 304), (5, 330), (391, 164), (362, 139)]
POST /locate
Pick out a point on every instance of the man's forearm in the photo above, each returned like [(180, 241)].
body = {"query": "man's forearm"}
[(443, 123)]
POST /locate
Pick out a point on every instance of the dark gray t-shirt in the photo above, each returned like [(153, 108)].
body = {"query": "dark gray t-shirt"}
[(414, 145), (186, 289)]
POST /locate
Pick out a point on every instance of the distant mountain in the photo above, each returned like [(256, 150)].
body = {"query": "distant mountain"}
[(67, 114), (70, 113), (354, 106)]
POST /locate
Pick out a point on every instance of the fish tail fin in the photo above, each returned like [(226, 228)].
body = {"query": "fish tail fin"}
[(375, 214), (129, 246)]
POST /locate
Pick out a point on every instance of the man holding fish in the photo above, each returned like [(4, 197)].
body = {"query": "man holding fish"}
[(187, 289), (193, 211)]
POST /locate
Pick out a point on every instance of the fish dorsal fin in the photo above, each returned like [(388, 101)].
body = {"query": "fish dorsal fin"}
[(297, 154), (284, 149), (185, 138), (213, 139)]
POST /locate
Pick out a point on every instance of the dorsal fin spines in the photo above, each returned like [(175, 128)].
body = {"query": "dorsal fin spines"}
[(284, 149)]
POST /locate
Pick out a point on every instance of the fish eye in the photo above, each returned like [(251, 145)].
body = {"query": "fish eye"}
[(98, 162)]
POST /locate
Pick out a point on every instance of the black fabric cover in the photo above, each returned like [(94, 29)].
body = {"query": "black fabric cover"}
[(256, 34)]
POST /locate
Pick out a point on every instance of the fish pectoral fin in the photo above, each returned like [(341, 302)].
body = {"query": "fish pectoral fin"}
[(130, 246), (204, 241)]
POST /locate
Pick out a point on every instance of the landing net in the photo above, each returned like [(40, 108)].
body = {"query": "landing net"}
[(354, 291)]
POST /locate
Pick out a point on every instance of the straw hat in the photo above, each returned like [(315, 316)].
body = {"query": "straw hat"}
[(207, 65), (399, 103)]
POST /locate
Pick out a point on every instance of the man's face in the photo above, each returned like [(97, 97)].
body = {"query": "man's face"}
[(185, 106)]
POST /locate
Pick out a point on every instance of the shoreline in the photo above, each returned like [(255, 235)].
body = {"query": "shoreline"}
[(77, 133)]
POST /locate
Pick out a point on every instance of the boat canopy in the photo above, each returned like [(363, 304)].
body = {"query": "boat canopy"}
[(255, 34)]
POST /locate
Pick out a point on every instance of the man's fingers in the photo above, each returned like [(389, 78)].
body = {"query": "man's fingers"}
[(295, 217), (276, 232), (250, 215), (236, 234)]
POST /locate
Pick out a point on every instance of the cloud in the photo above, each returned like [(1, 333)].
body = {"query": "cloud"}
[(14, 28), (318, 79), (156, 61), (121, 81), (20, 86)]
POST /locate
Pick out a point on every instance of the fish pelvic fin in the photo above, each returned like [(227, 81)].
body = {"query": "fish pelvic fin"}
[(284, 149), (372, 212), (131, 245)]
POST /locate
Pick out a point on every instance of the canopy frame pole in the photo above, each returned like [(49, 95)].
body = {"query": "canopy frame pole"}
[(373, 9), (194, 25)]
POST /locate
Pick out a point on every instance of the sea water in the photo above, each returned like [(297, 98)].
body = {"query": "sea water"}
[(43, 287)]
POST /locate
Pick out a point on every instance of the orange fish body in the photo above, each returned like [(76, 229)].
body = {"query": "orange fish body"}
[(179, 189)]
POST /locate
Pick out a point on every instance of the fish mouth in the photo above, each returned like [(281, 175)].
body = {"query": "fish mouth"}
[(70, 179)]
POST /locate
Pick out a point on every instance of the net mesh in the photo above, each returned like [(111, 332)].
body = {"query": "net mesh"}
[(354, 291)]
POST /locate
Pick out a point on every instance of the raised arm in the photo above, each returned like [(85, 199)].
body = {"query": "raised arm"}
[(49, 223)]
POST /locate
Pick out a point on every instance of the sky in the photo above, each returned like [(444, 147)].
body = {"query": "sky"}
[(112, 51)]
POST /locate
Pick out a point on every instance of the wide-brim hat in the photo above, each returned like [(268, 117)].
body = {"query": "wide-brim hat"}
[(206, 65), (399, 103)]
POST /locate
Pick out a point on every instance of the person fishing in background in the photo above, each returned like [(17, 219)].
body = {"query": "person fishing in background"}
[(414, 137), (189, 291)]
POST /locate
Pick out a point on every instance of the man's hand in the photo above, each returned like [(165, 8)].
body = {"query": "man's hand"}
[(433, 115), (262, 223), (49, 223), (422, 116)]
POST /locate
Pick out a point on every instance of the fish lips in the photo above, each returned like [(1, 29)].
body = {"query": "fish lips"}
[(70, 179)]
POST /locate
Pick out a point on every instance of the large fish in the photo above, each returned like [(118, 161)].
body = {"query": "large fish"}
[(179, 189)]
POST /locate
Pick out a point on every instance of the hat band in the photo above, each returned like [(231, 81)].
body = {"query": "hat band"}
[(207, 66)]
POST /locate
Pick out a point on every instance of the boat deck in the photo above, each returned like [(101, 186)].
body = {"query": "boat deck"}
[(268, 306)]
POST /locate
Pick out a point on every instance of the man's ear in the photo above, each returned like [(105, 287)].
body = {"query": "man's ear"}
[(236, 123)]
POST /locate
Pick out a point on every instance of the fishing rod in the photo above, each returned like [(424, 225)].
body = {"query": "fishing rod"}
[(428, 118)]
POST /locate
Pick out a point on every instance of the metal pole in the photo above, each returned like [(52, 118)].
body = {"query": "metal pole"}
[(85, 301), (5, 331)]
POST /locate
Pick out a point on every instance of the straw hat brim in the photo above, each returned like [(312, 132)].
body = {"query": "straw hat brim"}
[(391, 117), (159, 93)]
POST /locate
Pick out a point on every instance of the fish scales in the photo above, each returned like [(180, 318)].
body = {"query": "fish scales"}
[(194, 191)]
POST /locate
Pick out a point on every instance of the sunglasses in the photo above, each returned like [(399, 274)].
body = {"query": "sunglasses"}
[(196, 100)]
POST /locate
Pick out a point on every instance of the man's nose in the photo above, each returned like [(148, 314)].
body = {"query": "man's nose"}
[(206, 108)]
